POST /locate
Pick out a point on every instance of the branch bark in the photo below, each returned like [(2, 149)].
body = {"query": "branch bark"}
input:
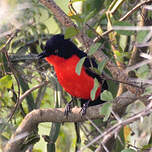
[(35, 117)]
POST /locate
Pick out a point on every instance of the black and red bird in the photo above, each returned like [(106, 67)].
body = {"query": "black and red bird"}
[(64, 55)]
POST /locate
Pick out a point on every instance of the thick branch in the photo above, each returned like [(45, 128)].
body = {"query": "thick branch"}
[(47, 115), (59, 14), (35, 117)]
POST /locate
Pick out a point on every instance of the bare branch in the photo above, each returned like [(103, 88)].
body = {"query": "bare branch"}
[(21, 98), (48, 115), (134, 9), (59, 14), (57, 115)]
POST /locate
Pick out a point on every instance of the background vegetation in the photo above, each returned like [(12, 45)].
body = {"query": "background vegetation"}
[(121, 29)]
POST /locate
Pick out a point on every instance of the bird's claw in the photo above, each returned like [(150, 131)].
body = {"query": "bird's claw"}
[(67, 109), (84, 108)]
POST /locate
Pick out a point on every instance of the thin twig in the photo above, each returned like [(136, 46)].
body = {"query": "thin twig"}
[(21, 98), (109, 132), (134, 9), (78, 137), (106, 138), (71, 8), (96, 127), (123, 18), (116, 116), (4, 50), (32, 89), (102, 35), (59, 14)]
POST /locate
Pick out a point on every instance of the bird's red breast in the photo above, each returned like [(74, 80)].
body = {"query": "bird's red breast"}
[(78, 86)]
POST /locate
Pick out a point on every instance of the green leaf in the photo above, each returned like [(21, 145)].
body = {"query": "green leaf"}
[(118, 142), (106, 96), (2, 45), (39, 50), (123, 41), (29, 98), (148, 90), (128, 150), (42, 26), (70, 32), (116, 5), (141, 36), (6, 82), (90, 15), (120, 55), (102, 65), (123, 32), (143, 71), (145, 147), (77, 17), (94, 89), (79, 65), (93, 48), (106, 110), (54, 133)]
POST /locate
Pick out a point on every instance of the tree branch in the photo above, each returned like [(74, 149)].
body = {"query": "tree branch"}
[(134, 9), (59, 14), (35, 117), (112, 130), (23, 96)]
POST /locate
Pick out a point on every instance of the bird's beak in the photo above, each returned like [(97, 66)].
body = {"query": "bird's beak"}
[(42, 55)]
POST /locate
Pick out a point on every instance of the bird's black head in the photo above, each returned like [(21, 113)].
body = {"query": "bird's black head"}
[(58, 45)]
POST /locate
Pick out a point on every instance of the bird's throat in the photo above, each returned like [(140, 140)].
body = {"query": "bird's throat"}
[(55, 60)]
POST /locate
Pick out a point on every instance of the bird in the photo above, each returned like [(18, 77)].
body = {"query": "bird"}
[(64, 55)]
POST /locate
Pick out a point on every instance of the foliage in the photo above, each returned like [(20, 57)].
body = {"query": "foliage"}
[(29, 24)]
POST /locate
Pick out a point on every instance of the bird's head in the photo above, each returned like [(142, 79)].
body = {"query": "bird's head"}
[(58, 45)]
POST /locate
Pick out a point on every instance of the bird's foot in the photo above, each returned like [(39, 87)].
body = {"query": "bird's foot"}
[(68, 108), (84, 108)]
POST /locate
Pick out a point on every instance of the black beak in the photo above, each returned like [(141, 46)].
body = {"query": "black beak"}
[(43, 55)]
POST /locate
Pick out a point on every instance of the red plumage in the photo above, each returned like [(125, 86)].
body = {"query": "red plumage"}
[(78, 86)]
